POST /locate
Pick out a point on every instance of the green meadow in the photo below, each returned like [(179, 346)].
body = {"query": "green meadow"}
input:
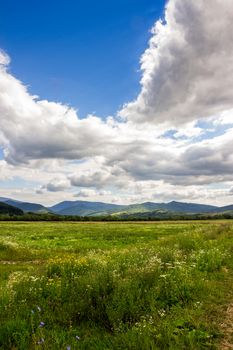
[(102, 286)]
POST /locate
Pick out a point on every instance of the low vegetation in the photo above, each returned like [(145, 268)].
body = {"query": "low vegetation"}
[(114, 285), (153, 216)]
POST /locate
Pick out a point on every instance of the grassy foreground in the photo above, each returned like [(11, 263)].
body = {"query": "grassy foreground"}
[(114, 285)]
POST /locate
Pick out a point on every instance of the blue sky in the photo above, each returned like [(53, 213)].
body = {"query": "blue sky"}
[(130, 108), (82, 53)]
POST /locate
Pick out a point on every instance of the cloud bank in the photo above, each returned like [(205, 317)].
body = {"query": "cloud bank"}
[(174, 140)]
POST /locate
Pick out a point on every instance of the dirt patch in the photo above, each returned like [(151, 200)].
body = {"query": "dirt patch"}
[(227, 329)]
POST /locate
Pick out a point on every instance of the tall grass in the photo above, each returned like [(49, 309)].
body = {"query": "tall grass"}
[(144, 287)]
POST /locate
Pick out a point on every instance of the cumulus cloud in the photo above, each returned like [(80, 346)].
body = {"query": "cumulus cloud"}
[(231, 192), (159, 151), (208, 161), (224, 118), (90, 193), (38, 129), (187, 69), (105, 176), (56, 185), (4, 58)]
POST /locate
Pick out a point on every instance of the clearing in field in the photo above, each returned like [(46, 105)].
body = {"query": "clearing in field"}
[(115, 285)]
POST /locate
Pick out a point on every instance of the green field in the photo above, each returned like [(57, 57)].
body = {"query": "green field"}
[(114, 285)]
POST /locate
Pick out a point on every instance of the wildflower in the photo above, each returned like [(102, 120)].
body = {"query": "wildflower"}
[(162, 312), (32, 312), (68, 347), (41, 341), (77, 337), (38, 308), (41, 324)]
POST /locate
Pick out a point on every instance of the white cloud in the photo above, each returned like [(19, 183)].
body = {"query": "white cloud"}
[(103, 177), (35, 129), (4, 58), (154, 154), (188, 67), (224, 118), (57, 184), (90, 193), (208, 161)]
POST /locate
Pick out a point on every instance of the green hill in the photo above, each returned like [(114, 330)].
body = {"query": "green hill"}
[(85, 208), (29, 207), (25, 206), (9, 209)]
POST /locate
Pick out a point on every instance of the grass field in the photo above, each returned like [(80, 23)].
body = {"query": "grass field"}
[(114, 285)]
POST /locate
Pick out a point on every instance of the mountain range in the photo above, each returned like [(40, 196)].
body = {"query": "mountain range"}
[(142, 210)]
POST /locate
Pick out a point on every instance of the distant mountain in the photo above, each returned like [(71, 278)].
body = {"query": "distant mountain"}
[(146, 209), (85, 208), (177, 207), (26, 207), (226, 208), (9, 209), (163, 214), (145, 215), (142, 207), (4, 200), (189, 207)]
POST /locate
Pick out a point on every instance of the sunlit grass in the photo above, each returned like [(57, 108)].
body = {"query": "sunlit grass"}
[(114, 285)]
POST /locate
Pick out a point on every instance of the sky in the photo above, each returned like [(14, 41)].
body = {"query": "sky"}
[(119, 101)]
